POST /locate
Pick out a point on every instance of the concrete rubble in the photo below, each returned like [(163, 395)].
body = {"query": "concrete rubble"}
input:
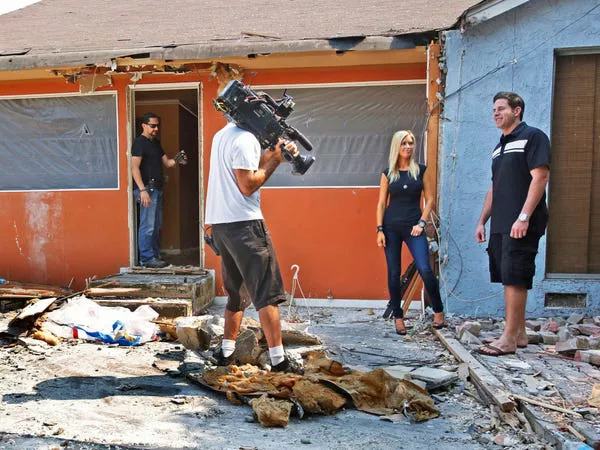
[(555, 380), (43, 384)]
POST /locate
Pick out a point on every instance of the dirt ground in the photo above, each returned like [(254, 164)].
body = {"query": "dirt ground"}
[(90, 395)]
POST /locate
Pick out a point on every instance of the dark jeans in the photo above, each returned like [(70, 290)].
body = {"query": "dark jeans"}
[(150, 222), (419, 249)]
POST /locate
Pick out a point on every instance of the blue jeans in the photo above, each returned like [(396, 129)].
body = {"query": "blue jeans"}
[(419, 249), (149, 227)]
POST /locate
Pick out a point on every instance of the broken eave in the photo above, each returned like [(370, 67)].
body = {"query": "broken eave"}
[(209, 51)]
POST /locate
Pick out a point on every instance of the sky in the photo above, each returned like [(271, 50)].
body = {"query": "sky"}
[(11, 5)]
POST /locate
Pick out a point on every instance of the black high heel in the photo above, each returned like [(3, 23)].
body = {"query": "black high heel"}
[(400, 330)]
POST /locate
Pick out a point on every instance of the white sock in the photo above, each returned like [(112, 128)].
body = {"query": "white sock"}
[(277, 354), (228, 347)]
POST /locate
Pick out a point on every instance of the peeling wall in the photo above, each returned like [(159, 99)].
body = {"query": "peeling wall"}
[(514, 51)]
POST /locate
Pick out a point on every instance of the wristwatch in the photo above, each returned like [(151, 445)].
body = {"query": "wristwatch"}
[(422, 223), (523, 217), (379, 228)]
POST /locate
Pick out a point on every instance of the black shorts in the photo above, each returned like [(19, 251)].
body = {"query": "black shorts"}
[(512, 261), (250, 269)]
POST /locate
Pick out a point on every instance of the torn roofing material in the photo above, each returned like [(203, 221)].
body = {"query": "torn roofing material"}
[(182, 28)]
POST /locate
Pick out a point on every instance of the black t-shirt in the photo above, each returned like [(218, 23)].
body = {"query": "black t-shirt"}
[(151, 167), (405, 199), (512, 161)]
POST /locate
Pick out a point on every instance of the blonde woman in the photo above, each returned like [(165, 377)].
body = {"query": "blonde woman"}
[(400, 219)]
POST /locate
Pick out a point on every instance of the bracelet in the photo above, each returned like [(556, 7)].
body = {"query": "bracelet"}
[(422, 223), (143, 190), (379, 228)]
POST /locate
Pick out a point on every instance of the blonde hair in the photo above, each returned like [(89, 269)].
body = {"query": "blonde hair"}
[(413, 167)]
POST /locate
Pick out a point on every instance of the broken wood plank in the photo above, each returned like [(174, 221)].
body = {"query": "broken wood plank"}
[(536, 402), (546, 430), (35, 308), (587, 430), (12, 289), (489, 386), (112, 292), (170, 271), (166, 308)]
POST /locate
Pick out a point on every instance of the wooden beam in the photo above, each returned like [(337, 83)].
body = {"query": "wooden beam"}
[(433, 114), (487, 384), (546, 405)]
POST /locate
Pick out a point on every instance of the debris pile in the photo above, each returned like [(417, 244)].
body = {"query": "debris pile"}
[(553, 378), (325, 388), (15, 295), (50, 320)]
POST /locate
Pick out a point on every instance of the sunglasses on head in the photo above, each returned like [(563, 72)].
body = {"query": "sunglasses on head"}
[(152, 125)]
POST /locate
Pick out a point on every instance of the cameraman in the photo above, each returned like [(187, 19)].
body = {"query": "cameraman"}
[(249, 264)]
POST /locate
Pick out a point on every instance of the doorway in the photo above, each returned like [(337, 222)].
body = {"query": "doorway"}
[(179, 116)]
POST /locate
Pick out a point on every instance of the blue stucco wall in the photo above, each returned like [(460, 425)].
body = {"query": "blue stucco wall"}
[(514, 51)]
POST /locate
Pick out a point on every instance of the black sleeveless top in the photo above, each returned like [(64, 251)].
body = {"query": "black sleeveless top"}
[(405, 199)]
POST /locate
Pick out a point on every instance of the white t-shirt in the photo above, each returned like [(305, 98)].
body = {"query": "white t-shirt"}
[(232, 148)]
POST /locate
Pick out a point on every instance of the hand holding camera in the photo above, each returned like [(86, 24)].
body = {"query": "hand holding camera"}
[(285, 150), (181, 158)]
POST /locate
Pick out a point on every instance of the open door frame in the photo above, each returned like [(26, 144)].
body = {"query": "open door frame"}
[(131, 90)]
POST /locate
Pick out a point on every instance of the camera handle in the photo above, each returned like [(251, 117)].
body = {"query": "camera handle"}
[(295, 135)]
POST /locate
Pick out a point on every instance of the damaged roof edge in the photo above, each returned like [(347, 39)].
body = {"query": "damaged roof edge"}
[(211, 50)]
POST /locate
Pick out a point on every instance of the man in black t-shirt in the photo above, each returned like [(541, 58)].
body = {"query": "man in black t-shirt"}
[(516, 203), (147, 159)]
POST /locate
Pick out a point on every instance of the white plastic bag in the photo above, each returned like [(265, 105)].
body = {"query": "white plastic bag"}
[(83, 318)]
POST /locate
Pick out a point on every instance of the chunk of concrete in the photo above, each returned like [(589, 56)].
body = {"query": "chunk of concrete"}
[(536, 383), (435, 378), (533, 337), (575, 318), (469, 338), (489, 325), (572, 345), (398, 371), (247, 349), (594, 343), (193, 331), (564, 334), (587, 329), (552, 326), (548, 337), (472, 327), (588, 356), (517, 364), (533, 325)]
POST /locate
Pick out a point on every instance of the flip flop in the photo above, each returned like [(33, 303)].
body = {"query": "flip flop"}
[(495, 351), (439, 325), (490, 340)]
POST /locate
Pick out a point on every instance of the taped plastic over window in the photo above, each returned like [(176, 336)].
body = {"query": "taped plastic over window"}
[(58, 143), (351, 130)]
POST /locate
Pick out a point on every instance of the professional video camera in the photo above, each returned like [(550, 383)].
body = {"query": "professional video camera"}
[(264, 117)]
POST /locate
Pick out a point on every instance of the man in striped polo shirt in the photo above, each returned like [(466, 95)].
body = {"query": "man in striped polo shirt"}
[(516, 203)]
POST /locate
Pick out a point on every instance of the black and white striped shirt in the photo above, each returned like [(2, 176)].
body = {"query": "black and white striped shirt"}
[(513, 159)]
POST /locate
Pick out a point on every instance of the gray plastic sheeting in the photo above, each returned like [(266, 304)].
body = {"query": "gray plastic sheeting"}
[(351, 129), (54, 143)]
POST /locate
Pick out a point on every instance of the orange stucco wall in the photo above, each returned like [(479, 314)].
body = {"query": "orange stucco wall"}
[(329, 233), (58, 236), (53, 237)]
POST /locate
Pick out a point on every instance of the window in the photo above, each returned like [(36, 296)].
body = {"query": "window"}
[(574, 193), (351, 129), (52, 143)]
